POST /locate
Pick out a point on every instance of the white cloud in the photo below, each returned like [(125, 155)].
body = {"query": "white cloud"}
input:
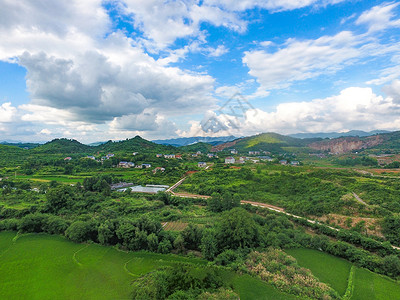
[(7, 112), (353, 108), (273, 5), (379, 17), (393, 91), (300, 60), (79, 73), (147, 121), (388, 74), (184, 18)]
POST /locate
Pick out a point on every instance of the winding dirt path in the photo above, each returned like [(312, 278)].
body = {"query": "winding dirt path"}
[(262, 205)]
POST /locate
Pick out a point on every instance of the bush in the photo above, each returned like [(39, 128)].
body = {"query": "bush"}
[(33, 223), (81, 231)]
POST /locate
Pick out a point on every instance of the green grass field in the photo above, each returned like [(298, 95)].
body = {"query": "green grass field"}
[(39, 266), (327, 268), (372, 286), (335, 272)]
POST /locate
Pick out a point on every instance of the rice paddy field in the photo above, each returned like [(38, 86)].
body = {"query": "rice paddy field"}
[(40, 266), (336, 271)]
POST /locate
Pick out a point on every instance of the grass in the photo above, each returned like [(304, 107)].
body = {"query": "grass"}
[(335, 271), (47, 178), (327, 268), (5, 241), (263, 138), (371, 286), (39, 266), (50, 267), (249, 288)]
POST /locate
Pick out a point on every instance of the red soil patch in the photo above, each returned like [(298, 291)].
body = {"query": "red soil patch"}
[(372, 225), (190, 172)]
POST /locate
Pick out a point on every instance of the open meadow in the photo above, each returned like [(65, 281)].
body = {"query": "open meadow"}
[(40, 266), (336, 272)]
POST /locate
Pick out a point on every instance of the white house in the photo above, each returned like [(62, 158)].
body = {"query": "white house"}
[(229, 160), (202, 164)]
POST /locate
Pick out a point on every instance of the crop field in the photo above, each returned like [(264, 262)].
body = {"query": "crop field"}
[(372, 286), (335, 271), (327, 268), (39, 266), (47, 178), (175, 226)]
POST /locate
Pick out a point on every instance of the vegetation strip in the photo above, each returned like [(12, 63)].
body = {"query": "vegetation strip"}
[(350, 284)]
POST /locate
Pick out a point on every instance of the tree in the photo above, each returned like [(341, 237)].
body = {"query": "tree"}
[(55, 225), (192, 237), (214, 203), (81, 231), (209, 244), (107, 234), (164, 246), (179, 243), (60, 197), (391, 265), (237, 229), (69, 169), (152, 242), (126, 233), (33, 223)]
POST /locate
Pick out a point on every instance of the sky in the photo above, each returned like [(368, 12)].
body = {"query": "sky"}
[(96, 70)]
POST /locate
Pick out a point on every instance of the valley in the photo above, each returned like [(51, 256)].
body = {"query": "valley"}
[(222, 214)]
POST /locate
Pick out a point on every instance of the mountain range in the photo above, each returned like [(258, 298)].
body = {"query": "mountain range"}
[(271, 142)]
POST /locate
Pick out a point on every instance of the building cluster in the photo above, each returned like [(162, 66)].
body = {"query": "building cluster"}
[(244, 159)]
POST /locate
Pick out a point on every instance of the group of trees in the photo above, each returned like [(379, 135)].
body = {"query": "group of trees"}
[(227, 201), (297, 192), (182, 282), (78, 213)]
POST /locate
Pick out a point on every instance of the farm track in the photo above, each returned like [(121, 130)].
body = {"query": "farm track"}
[(74, 255), (264, 205), (359, 199), (127, 270)]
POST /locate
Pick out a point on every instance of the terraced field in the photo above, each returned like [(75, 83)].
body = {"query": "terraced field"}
[(39, 266), (336, 271)]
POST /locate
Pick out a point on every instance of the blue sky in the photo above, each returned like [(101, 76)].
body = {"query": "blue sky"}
[(97, 70)]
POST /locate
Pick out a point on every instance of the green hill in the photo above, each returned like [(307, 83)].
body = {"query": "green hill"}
[(135, 144), (12, 155), (270, 141), (63, 146), (203, 147)]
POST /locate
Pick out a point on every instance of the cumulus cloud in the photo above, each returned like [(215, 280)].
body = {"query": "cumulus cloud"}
[(184, 18), (300, 60), (84, 76), (393, 91), (7, 112), (79, 73), (353, 108), (147, 121)]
